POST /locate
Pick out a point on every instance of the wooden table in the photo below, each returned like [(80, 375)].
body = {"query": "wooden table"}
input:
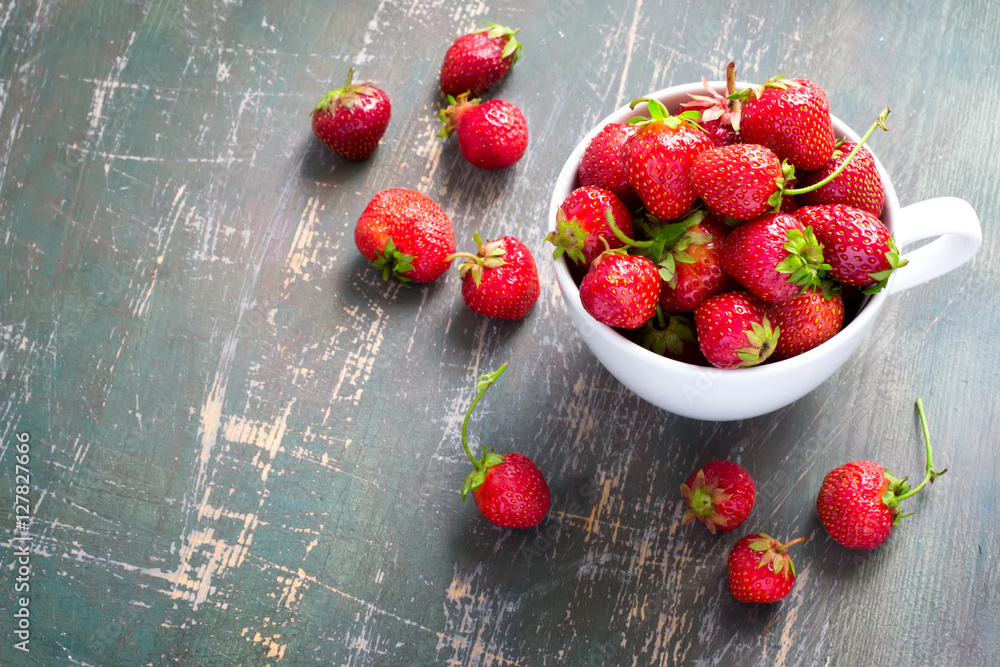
[(243, 446)]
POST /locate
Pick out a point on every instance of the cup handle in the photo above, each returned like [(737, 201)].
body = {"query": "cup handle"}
[(960, 236)]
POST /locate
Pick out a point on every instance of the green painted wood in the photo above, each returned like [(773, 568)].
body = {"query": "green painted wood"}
[(244, 447)]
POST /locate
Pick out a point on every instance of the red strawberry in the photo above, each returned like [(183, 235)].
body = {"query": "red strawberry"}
[(476, 61), (718, 114), (658, 160), (760, 569), (405, 234), (719, 495), (806, 320), (501, 281), (582, 223), (491, 135), (734, 331), (858, 185), (351, 120), (741, 181), (774, 257), (621, 290), (672, 337), (858, 502), (792, 118), (601, 163), (509, 490), (858, 247)]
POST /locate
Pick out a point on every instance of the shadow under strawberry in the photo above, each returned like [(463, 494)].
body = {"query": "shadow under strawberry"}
[(318, 164)]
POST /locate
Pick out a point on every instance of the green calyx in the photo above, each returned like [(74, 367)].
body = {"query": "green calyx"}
[(662, 334), (346, 96), (568, 238), (804, 262), (776, 82), (659, 114), (761, 341), (774, 554), (392, 262), (899, 489), (881, 278), (490, 256), (669, 241), (451, 114), (511, 46), (489, 459)]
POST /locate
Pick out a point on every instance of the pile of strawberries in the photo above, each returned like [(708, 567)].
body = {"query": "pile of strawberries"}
[(730, 231)]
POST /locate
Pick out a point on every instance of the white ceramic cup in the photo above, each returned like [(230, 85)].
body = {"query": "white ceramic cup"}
[(723, 395)]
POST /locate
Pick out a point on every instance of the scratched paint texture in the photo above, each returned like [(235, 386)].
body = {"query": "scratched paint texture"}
[(245, 445)]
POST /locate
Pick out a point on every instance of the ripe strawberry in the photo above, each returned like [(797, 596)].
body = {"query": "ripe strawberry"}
[(582, 230), (491, 135), (858, 185), (792, 118), (774, 257), (858, 502), (501, 281), (858, 247), (601, 163), (672, 337), (734, 330), (476, 61), (741, 181), (405, 234), (658, 160), (806, 320), (621, 290), (719, 115), (351, 120), (719, 495), (760, 569), (509, 490)]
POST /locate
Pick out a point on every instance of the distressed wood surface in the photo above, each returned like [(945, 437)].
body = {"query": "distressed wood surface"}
[(244, 446)]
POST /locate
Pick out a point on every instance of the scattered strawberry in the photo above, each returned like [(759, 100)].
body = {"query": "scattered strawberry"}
[(621, 290), (719, 495), (582, 230), (734, 331), (760, 569), (351, 120), (806, 320), (719, 115), (774, 257), (858, 502), (476, 61), (792, 118), (671, 336), (858, 185), (601, 163), (405, 234), (858, 247), (741, 181), (658, 159), (509, 490), (491, 134), (501, 281)]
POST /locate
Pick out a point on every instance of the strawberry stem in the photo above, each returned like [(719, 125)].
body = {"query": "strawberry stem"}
[(621, 235), (797, 540), (485, 382), (931, 474), (879, 122)]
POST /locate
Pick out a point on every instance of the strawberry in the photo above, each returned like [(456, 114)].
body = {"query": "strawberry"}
[(582, 230), (601, 163), (858, 185), (760, 569), (671, 336), (858, 503), (477, 60), (734, 330), (719, 115), (509, 490), (741, 181), (501, 281), (405, 234), (806, 320), (351, 120), (792, 118), (621, 290), (719, 495), (858, 247), (491, 134), (774, 257), (658, 159)]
